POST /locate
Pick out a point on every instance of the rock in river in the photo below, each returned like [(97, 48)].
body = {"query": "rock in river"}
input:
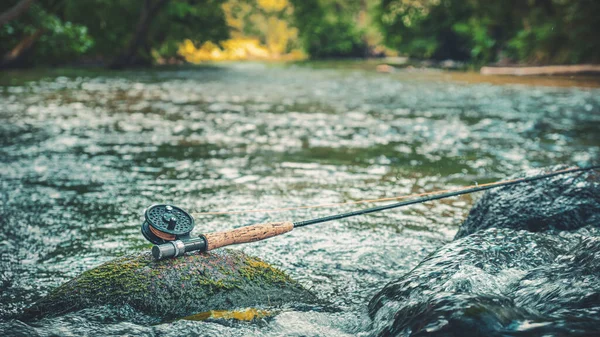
[(498, 282), (526, 261), (174, 288), (564, 202)]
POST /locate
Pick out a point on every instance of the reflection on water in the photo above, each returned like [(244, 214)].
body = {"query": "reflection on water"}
[(83, 155)]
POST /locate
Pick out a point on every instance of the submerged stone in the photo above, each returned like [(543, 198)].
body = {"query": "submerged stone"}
[(564, 202), (498, 282), (174, 288)]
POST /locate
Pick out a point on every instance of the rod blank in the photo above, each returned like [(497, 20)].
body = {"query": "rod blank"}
[(439, 196)]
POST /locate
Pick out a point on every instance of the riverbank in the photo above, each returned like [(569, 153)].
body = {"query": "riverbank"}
[(568, 70), (395, 68)]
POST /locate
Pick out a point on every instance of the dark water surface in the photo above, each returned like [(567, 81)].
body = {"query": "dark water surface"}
[(84, 154)]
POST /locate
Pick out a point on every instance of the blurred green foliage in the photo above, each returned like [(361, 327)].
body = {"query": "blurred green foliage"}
[(424, 28), (480, 31), (129, 32), (268, 21), (55, 38), (111, 23), (102, 30), (328, 28)]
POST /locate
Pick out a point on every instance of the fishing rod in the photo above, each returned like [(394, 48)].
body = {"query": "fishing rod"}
[(168, 227)]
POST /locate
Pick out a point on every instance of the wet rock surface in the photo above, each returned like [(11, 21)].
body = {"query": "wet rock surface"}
[(498, 282), (525, 262), (138, 288), (564, 202)]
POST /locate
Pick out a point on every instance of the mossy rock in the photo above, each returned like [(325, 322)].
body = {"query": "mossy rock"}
[(175, 288)]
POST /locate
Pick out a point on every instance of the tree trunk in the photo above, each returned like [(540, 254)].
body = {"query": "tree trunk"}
[(19, 50), (15, 11), (130, 55)]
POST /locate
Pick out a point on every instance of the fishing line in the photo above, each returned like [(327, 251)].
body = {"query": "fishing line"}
[(447, 192), (441, 195), (169, 227)]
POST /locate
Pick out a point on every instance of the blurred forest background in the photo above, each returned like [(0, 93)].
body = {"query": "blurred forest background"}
[(124, 33)]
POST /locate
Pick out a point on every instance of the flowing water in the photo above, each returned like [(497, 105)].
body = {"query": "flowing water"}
[(83, 153)]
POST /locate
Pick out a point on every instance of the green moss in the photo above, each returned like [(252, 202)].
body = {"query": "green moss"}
[(125, 276), (216, 285), (117, 277), (258, 270), (174, 287)]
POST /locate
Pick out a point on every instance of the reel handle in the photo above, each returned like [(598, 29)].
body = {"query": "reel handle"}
[(246, 234)]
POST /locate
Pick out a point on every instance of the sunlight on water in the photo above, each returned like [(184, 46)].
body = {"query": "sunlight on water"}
[(84, 155)]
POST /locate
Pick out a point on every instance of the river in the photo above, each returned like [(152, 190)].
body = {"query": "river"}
[(84, 152)]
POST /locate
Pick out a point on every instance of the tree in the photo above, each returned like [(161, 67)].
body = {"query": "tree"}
[(328, 28), (131, 54), (424, 28), (268, 21), (119, 33), (533, 31), (38, 33), (158, 25), (15, 11)]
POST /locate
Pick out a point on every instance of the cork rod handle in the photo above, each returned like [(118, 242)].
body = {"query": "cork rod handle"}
[(247, 234)]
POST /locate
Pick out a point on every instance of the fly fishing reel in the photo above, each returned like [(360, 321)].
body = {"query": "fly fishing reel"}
[(165, 223), (169, 228)]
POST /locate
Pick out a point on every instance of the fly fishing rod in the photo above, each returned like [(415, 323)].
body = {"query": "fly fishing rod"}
[(169, 227)]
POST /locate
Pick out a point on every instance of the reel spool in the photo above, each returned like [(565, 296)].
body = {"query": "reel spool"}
[(166, 223), (169, 228)]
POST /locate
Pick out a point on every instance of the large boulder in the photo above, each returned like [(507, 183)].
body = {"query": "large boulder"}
[(564, 202), (526, 261), (174, 288), (498, 282)]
